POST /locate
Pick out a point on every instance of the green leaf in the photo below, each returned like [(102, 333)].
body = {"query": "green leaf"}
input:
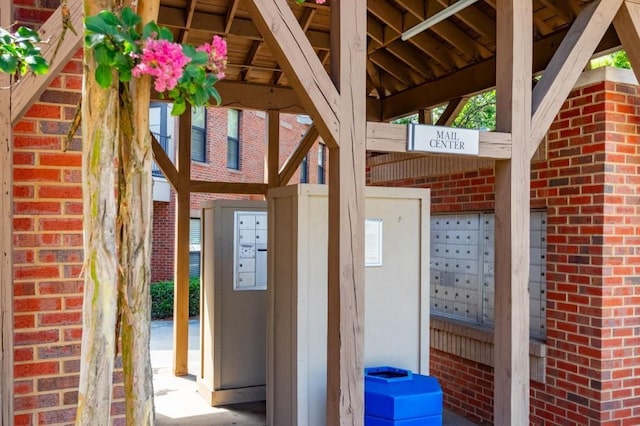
[(97, 25), (102, 55), (28, 33), (165, 34), (109, 18), (150, 29), (37, 64), (8, 63), (130, 18), (179, 107), (104, 75), (125, 75), (214, 93), (92, 40)]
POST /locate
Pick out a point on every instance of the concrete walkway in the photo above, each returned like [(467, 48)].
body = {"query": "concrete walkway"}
[(178, 403)]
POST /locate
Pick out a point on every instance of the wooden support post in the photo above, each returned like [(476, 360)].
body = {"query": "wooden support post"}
[(181, 264), (272, 160), (345, 339), (6, 237), (452, 111), (513, 92), (425, 116)]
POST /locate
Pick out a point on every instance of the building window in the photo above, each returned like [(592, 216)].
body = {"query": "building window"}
[(199, 134), (321, 160), (158, 128), (462, 268), (195, 238), (304, 170), (233, 139)]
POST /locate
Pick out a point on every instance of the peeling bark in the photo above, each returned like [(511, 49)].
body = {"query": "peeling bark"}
[(117, 155), (99, 174)]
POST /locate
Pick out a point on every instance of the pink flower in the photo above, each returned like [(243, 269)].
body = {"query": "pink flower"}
[(321, 1), (162, 60), (217, 51)]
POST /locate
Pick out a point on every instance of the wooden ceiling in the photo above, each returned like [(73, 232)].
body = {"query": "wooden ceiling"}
[(451, 59)]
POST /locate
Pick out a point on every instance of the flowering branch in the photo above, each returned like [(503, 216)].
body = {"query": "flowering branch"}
[(19, 53), (179, 71)]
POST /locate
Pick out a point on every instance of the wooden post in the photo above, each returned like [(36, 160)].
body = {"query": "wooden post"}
[(181, 264), (345, 344), (513, 91), (6, 237), (272, 161)]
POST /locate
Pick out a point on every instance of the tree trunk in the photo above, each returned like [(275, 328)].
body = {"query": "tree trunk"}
[(136, 214), (99, 170)]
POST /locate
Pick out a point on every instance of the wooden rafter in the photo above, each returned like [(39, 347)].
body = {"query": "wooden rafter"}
[(399, 71), (414, 7), (297, 58), (474, 18), (31, 86), (256, 45), (191, 8), (231, 14), (562, 8), (216, 24), (456, 37), (473, 79), (567, 64)]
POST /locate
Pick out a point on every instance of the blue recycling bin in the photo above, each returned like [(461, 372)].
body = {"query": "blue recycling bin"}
[(397, 397)]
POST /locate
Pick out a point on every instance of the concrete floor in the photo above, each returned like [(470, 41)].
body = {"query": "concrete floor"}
[(178, 403)]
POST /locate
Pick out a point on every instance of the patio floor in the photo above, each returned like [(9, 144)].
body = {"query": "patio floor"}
[(178, 403)]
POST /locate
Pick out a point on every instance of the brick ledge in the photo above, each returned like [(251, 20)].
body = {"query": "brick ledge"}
[(475, 343)]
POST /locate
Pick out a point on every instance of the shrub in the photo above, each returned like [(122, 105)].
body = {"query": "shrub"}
[(162, 299)]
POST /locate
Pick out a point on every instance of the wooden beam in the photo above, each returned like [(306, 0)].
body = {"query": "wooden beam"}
[(391, 66), (191, 8), (425, 116), (474, 79), (452, 111), (293, 162), (6, 238), (211, 23), (387, 137), (561, 7), (627, 24), (345, 331), (263, 97), (294, 53), (231, 14), (164, 162), (198, 186), (30, 87), (512, 210), (567, 64), (181, 264), (473, 17), (272, 160)]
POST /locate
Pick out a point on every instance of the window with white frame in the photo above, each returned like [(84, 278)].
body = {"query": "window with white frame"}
[(195, 241), (199, 134), (462, 268), (321, 161), (304, 169), (233, 139)]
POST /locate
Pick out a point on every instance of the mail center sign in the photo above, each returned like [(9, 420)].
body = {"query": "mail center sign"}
[(443, 140)]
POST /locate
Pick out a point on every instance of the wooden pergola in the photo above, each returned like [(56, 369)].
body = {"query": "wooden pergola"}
[(347, 66)]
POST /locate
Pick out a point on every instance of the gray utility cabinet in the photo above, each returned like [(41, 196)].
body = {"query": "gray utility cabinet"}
[(396, 293), (233, 302)]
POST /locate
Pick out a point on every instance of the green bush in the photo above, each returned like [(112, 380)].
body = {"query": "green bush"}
[(162, 299)]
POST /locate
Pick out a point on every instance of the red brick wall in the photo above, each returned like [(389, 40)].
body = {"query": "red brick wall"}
[(589, 187), (48, 259), (252, 154)]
